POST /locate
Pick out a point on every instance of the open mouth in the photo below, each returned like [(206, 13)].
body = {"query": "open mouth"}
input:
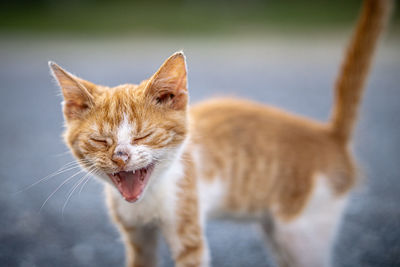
[(131, 184)]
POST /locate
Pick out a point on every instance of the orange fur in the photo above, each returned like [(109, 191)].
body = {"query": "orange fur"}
[(275, 156), (355, 68), (189, 228), (267, 160)]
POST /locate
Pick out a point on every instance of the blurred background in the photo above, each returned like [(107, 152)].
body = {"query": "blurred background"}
[(282, 53)]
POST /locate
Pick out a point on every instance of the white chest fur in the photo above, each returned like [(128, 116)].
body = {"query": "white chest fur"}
[(158, 201)]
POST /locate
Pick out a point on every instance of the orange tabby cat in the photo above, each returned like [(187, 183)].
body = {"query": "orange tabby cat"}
[(167, 167)]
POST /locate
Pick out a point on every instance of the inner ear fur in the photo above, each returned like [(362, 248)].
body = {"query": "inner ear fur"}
[(168, 86)]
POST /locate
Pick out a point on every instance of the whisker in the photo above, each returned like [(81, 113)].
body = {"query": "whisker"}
[(62, 153), (87, 180), (66, 167), (57, 172), (88, 172), (58, 188), (74, 187)]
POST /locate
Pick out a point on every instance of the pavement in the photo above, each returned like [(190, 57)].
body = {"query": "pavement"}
[(292, 72)]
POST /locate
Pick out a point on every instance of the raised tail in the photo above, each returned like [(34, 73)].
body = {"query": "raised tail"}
[(355, 68)]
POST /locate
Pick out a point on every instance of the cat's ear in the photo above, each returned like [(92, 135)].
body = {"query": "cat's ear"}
[(168, 86), (77, 92)]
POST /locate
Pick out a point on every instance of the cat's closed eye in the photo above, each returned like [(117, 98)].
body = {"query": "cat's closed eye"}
[(141, 138), (99, 141)]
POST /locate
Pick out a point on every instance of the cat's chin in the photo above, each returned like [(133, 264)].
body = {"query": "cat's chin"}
[(131, 184)]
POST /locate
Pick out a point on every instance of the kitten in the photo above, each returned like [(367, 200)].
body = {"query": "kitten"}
[(167, 167)]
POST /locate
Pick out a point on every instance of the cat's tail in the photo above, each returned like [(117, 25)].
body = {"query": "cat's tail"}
[(354, 71)]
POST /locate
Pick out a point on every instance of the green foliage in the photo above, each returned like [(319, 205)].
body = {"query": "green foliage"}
[(177, 16)]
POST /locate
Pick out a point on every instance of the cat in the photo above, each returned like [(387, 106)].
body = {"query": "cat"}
[(167, 167)]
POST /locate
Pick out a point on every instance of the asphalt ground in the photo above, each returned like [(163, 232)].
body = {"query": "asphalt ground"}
[(292, 72)]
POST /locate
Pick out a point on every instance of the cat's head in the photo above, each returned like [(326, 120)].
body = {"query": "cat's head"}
[(128, 134)]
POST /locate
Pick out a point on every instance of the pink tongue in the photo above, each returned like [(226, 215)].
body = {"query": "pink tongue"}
[(131, 186)]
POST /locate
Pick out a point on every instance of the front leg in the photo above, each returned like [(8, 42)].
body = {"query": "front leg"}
[(140, 245), (187, 244), (184, 232), (140, 241)]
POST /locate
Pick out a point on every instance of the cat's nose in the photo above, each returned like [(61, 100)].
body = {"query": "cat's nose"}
[(121, 157)]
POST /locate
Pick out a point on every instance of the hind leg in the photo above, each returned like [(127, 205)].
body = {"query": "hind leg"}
[(307, 246), (307, 240), (282, 256), (291, 247)]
